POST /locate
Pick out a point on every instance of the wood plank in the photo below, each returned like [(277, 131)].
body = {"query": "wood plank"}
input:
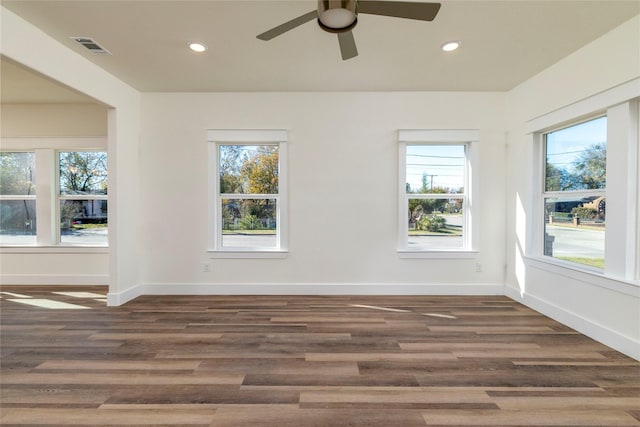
[(197, 360)]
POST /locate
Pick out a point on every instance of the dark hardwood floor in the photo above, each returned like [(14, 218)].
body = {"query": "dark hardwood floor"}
[(302, 361)]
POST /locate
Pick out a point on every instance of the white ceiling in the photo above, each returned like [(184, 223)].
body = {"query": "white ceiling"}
[(504, 43)]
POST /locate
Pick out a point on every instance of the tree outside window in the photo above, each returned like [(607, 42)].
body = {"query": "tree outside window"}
[(248, 195), (17, 198), (83, 197)]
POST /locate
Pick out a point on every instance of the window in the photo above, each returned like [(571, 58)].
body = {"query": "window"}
[(575, 192), (585, 189), (249, 207), (69, 198), (83, 197), (17, 198), (435, 191)]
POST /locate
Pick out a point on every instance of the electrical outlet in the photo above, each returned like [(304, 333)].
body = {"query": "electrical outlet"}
[(206, 267), (478, 267)]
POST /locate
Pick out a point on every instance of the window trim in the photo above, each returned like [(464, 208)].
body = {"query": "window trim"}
[(469, 138), (218, 137), (622, 245)]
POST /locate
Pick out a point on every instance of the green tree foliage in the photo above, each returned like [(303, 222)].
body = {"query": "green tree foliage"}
[(587, 172), (261, 171), (433, 223), (231, 159), (591, 167), (83, 172), (558, 179), (249, 170), (17, 178), (584, 213), (17, 174)]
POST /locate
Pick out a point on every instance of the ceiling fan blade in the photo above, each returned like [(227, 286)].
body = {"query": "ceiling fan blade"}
[(347, 45), (400, 9), (289, 25)]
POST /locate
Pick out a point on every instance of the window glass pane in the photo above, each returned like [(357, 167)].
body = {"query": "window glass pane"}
[(575, 229), (576, 157), (83, 172), (17, 174), (17, 222), (435, 168), (435, 224), (249, 223), (248, 169), (83, 222)]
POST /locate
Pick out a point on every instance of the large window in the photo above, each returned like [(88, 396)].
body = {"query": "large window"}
[(69, 198), (17, 198), (250, 205), (585, 205), (435, 178), (574, 194)]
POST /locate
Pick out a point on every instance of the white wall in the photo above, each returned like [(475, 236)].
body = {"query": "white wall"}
[(606, 309), (53, 120), (57, 62), (342, 160)]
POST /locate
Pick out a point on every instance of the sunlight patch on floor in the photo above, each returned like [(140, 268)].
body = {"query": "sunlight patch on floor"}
[(80, 294), (374, 307), (15, 295), (445, 316), (50, 304)]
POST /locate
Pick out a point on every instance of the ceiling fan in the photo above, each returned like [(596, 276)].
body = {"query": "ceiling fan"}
[(341, 16)]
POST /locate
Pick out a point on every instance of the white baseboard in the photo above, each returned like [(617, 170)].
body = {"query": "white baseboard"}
[(115, 299), (613, 339), (305, 289), (54, 279)]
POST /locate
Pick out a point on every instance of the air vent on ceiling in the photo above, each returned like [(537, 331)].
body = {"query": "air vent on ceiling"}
[(90, 44)]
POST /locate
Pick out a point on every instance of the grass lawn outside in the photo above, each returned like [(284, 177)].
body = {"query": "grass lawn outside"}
[(448, 231), (592, 262), (249, 232)]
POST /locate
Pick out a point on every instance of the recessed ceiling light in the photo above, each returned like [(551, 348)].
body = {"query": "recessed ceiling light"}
[(197, 47), (450, 46)]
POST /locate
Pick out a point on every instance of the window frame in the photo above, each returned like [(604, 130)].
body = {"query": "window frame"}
[(622, 243), (600, 192), (217, 138), (47, 204), (470, 140), (59, 197)]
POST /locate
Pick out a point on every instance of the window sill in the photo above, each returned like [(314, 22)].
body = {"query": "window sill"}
[(248, 254), (459, 254), (54, 249), (589, 275)]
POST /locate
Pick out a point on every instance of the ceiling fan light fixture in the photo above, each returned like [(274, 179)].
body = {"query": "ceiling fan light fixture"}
[(337, 14), (337, 18), (451, 46), (197, 47)]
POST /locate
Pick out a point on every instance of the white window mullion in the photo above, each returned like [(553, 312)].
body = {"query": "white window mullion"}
[(46, 189), (620, 244)]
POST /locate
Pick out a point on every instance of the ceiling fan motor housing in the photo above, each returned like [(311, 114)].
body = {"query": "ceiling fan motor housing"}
[(337, 16)]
